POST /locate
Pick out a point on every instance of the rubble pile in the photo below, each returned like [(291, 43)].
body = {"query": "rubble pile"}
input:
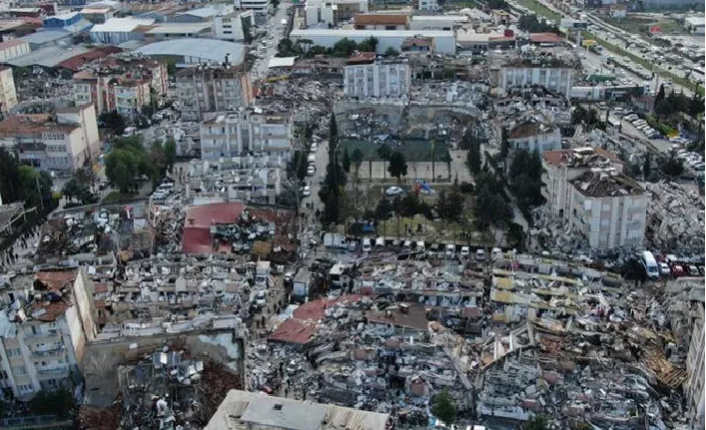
[(675, 218)]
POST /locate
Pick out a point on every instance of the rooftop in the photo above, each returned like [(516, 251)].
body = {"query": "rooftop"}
[(545, 38), (204, 12), (266, 411), (530, 128), (281, 62), (22, 125), (605, 183), (455, 18), (45, 36), (180, 28), (11, 43), (121, 25), (380, 19), (537, 61), (570, 156), (209, 49)]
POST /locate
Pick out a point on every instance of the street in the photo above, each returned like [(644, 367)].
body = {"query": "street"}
[(266, 48)]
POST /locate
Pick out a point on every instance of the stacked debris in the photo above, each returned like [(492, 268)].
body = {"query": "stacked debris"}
[(675, 218)]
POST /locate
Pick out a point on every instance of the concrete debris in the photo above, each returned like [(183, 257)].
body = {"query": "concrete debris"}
[(675, 218)]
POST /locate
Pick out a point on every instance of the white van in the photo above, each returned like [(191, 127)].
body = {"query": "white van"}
[(450, 251), (650, 264), (366, 245)]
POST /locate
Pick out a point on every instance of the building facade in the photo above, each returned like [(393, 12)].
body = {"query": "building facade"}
[(203, 90), (380, 79), (608, 209), (246, 132), (552, 74), (429, 5), (44, 326), (8, 95), (13, 49), (440, 42), (233, 26), (61, 143), (561, 167), (261, 6), (125, 83), (534, 136)]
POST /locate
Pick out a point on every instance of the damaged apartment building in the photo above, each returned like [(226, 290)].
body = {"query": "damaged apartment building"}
[(208, 89), (45, 322), (586, 188), (125, 82)]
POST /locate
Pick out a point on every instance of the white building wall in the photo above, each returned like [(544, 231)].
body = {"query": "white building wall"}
[(377, 80), (430, 5), (695, 372), (541, 142), (608, 222), (8, 96), (15, 51), (555, 79)]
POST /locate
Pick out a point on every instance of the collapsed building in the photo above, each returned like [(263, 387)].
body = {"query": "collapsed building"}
[(675, 218)]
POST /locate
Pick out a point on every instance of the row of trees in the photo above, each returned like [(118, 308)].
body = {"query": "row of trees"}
[(587, 117), (343, 48), (667, 105), (130, 160), (22, 182), (531, 24)]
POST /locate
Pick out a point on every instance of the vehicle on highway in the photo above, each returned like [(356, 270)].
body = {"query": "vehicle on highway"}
[(306, 191), (394, 191)]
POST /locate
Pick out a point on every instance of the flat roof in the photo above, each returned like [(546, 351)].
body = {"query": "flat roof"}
[(121, 24), (369, 33), (49, 56), (281, 62), (204, 12), (208, 49), (45, 36), (192, 27), (64, 16)]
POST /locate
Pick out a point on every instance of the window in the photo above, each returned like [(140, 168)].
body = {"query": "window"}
[(19, 370)]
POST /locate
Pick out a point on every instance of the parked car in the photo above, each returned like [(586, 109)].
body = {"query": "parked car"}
[(677, 270), (450, 251), (480, 254), (306, 191), (693, 270), (367, 245), (664, 269), (465, 251), (394, 191), (311, 170)]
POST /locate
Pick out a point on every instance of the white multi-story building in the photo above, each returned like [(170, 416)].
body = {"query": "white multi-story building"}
[(245, 132), (8, 96), (379, 79), (207, 89), (561, 167), (233, 26), (608, 209), (430, 5), (334, 11), (533, 135), (695, 371), (61, 143), (256, 5), (44, 327), (324, 14), (549, 72)]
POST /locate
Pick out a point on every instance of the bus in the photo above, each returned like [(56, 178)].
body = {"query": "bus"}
[(650, 264)]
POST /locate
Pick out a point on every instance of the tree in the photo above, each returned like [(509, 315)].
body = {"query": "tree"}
[(660, 95), (398, 165), (504, 144), (344, 48), (9, 177), (332, 193), (346, 163), (170, 153), (473, 156), (663, 109), (275, 4), (384, 152), (444, 407), (60, 402), (490, 207), (297, 165), (672, 166), (368, 45), (357, 158), (537, 422), (113, 121), (526, 178), (75, 189), (35, 185), (126, 162), (450, 205), (391, 52)]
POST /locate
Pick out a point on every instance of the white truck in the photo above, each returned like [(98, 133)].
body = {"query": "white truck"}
[(333, 240), (301, 286)]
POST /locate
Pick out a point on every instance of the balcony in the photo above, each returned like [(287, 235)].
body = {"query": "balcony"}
[(49, 351), (53, 371)]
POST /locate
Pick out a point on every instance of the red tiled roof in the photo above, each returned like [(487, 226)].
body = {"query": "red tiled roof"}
[(379, 19), (32, 124), (56, 280), (545, 38), (316, 310), (294, 331), (53, 310), (416, 318), (100, 287), (362, 57), (197, 227), (74, 63)]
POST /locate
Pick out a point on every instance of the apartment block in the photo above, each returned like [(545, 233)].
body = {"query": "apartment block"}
[(206, 89), (377, 79), (122, 82), (550, 72), (8, 96), (256, 179), (45, 323), (561, 167), (534, 135), (233, 26), (695, 371), (429, 5), (260, 6), (63, 141), (608, 209), (246, 132)]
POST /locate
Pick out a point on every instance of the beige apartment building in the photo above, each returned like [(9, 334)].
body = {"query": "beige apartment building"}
[(208, 89), (8, 95)]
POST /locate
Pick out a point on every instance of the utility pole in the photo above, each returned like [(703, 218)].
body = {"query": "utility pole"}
[(39, 191)]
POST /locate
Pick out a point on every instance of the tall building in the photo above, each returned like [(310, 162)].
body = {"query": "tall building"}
[(60, 142), (429, 5), (262, 6), (208, 89), (608, 209), (45, 323), (244, 132), (8, 96), (122, 82), (377, 78), (695, 371), (550, 72)]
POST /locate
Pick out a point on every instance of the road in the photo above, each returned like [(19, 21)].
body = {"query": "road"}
[(266, 47)]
